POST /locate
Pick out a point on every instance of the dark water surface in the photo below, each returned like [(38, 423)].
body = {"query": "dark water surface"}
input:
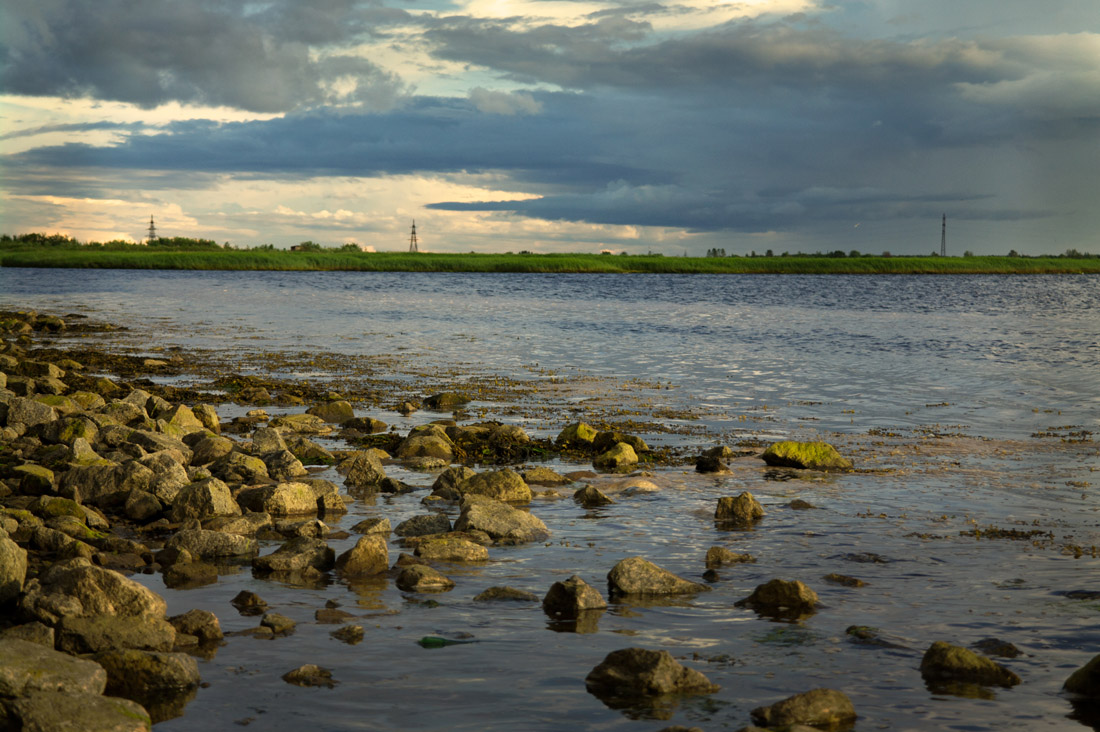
[(1002, 368)]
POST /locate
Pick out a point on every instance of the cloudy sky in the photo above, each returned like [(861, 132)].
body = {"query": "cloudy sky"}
[(557, 125)]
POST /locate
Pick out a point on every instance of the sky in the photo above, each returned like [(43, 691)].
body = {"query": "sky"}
[(671, 126)]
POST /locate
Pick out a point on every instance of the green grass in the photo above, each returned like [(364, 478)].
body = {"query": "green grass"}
[(342, 259)]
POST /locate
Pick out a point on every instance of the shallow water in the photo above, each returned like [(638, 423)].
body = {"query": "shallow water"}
[(878, 365)]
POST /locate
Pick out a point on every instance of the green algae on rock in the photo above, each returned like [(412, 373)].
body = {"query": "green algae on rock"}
[(806, 455)]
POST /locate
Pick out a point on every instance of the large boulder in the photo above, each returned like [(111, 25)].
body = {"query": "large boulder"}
[(451, 549), (943, 662), (370, 555), (156, 441), (808, 455), (742, 510), (205, 544), (577, 435), (77, 588), (446, 484), (500, 485), (236, 467), (420, 446), (29, 412), (422, 578), (106, 483), (204, 499), (824, 708), (505, 524), (211, 449), (169, 476), (104, 632), (53, 711), (446, 400), (267, 440), (135, 674), (428, 523), (283, 465), (26, 667), (639, 576), (631, 673), (13, 569)]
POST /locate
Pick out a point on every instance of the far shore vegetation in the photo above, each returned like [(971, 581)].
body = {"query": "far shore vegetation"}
[(55, 250)]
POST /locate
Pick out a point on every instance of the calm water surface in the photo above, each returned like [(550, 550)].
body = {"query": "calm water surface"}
[(995, 359)]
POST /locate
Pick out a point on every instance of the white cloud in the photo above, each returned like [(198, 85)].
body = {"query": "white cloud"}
[(508, 104)]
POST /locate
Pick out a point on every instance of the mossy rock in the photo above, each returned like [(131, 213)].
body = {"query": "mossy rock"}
[(34, 479), (51, 506), (807, 455), (577, 435)]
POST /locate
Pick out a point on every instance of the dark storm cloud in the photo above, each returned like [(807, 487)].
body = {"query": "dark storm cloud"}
[(203, 52)]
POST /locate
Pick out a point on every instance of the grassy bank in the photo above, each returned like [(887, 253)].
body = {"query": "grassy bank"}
[(348, 260)]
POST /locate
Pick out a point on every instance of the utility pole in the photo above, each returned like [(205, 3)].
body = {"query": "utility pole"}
[(152, 229), (414, 245), (943, 237)]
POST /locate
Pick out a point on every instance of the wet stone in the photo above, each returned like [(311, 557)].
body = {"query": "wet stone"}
[(310, 675), (506, 594), (718, 556), (350, 634), (825, 708), (248, 603), (741, 510), (843, 579), (944, 662)]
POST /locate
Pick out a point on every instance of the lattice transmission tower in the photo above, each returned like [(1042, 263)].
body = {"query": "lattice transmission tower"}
[(943, 237), (152, 229), (414, 244)]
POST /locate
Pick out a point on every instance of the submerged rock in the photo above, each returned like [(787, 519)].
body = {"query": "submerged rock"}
[(639, 672), (808, 455), (742, 510), (591, 497), (945, 662), (639, 576), (507, 594), (1085, 681), (310, 675), (298, 554), (429, 523), (781, 597), (825, 708), (718, 556)]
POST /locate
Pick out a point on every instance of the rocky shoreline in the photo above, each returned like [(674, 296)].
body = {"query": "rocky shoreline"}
[(107, 474)]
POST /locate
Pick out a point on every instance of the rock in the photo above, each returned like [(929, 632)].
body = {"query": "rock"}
[(370, 555), (308, 424), (205, 544), (639, 576), (248, 603), (807, 455), (337, 411), (155, 442), (620, 458), (446, 485), (204, 499), (208, 417), (308, 451), (506, 594), (638, 672), (373, 526), (422, 578), (426, 446), (452, 549), (350, 634), (1085, 681), (297, 555), (364, 470), (247, 524), (34, 480), (445, 400), (202, 624), (142, 506), (569, 598), (826, 708), (13, 569), (710, 464), (332, 615), (266, 440), (743, 510), (366, 425), (718, 556), (279, 624), (236, 467), (310, 675), (544, 476), (500, 485), (34, 632), (843, 579), (51, 711), (943, 662), (26, 667), (578, 435), (134, 674), (76, 588), (781, 597), (283, 499), (430, 523), (29, 412), (283, 465), (105, 484), (591, 497), (211, 449), (608, 439), (503, 523), (105, 632)]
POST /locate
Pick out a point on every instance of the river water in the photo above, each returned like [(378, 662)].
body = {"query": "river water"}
[(967, 402)]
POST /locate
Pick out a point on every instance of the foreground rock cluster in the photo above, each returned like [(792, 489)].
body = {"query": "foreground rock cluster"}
[(102, 480)]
